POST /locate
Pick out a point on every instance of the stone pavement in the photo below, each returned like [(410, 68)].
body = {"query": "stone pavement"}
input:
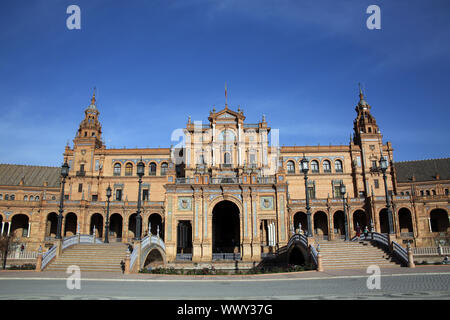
[(327, 274)]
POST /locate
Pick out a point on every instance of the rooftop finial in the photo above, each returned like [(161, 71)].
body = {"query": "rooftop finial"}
[(93, 97), (361, 96)]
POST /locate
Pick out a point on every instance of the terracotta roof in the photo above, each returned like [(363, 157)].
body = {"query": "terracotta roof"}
[(33, 176), (423, 170)]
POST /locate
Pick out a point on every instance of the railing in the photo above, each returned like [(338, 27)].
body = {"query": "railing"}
[(22, 255), (313, 254), (298, 237), (84, 238), (69, 241), (48, 256), (226, 256), (268, 254), (133, 258), (266, 180), (430, 251), (184, 256), (401, 252), (228, 180)]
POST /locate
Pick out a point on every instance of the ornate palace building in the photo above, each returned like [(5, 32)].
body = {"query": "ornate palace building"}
[(228, 188)]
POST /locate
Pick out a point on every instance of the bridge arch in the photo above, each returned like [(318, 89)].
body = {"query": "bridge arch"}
[(152, 256)]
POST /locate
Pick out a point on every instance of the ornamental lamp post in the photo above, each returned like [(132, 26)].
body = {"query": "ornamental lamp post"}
[(64, 174), (108, 195), (343, 190), (383, 167), (305, 168), (140, 173)]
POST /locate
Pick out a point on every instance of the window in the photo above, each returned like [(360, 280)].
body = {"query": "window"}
[(338, 165), (226, 158), (94, 197), (6, 197), (421, 192), (374, 164), (12, 197), (31, 198), (446, 192), (82, 167), (66, 197), (433, 192), (1, 196), (117, 169), (377, 184), (80, 187), (53, 198), (252, 158), (25, 198), (37, 198), (326, 166), (97, 165), (337, 191), (290, 167), (129, 169), (164, 167), (314, 166), (427, 192), (145, 195), (119, 195), (312, 192), (407, 193), (361, 194), (402, 193), (152, 169)]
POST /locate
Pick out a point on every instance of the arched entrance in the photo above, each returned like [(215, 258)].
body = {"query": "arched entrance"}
[(97, 222), (359, 218), (405, 222), (115, 226), (19, 225), (226, 228), (339, 224), (184, 237), (296, 257), (439, 220), (156, 224), (301, 219), (70, 226), (384, 221), (51, 224), (132, 226), (321, 224), (154, 258)]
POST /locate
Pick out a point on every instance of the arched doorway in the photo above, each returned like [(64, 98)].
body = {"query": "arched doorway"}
[(156, 224), (132, 226), (339, 224), (70, 226), (296, 257), (405, 222), (184, 237), (115, 226), (439, 220), (321, 225), (384, 221), (97, 222), (226, 228), (51, 224), (359, 218), (19, 225), (301, 219), (154, 258)]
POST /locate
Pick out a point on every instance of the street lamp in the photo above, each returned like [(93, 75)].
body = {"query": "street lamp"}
[(140, 173), (108, 195), (383, 167), (342, 188), (64, 174), (304, 167)]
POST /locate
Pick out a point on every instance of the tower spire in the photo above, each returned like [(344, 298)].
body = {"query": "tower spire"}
[(93, 97), (226, 104)]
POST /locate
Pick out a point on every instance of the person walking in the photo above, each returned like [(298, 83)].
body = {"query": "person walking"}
[(366, 232)]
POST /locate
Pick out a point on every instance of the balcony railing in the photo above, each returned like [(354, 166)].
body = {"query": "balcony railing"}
[(81, 173), (226, 256)]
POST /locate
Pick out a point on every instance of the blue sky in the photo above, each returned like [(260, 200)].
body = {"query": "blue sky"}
[(155, 62)]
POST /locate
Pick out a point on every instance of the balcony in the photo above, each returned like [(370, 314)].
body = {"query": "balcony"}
[(81, 173)]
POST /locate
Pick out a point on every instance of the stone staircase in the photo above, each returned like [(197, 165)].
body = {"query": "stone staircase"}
[(91, 257), (358, 254)]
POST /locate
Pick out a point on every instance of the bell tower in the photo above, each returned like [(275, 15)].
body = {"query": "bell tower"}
[(365, 125), (90, 130)]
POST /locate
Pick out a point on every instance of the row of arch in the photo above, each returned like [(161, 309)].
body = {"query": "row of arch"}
[(97, 221), (8, 196), (292, 167), (439, 221), (422, 193), (152, 167)]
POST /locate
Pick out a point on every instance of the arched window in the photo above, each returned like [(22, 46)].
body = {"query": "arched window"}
[(201, 159), (37, 198), (1, 196), (25, 198), (152, 169), (433, 192), (421, 192), (427, 192), (326, 166), (6, 197), (314, 166), (117, 169), (12, 197), (164, 167), (31, 198), (227, 135), (128, 169), (338, 165), (290, 167)]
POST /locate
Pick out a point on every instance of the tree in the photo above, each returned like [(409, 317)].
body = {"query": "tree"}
[(7, 244)]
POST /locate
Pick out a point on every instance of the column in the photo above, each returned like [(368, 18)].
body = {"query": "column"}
[(197, 229), (9, 227), (3, 227), (29, 229)]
